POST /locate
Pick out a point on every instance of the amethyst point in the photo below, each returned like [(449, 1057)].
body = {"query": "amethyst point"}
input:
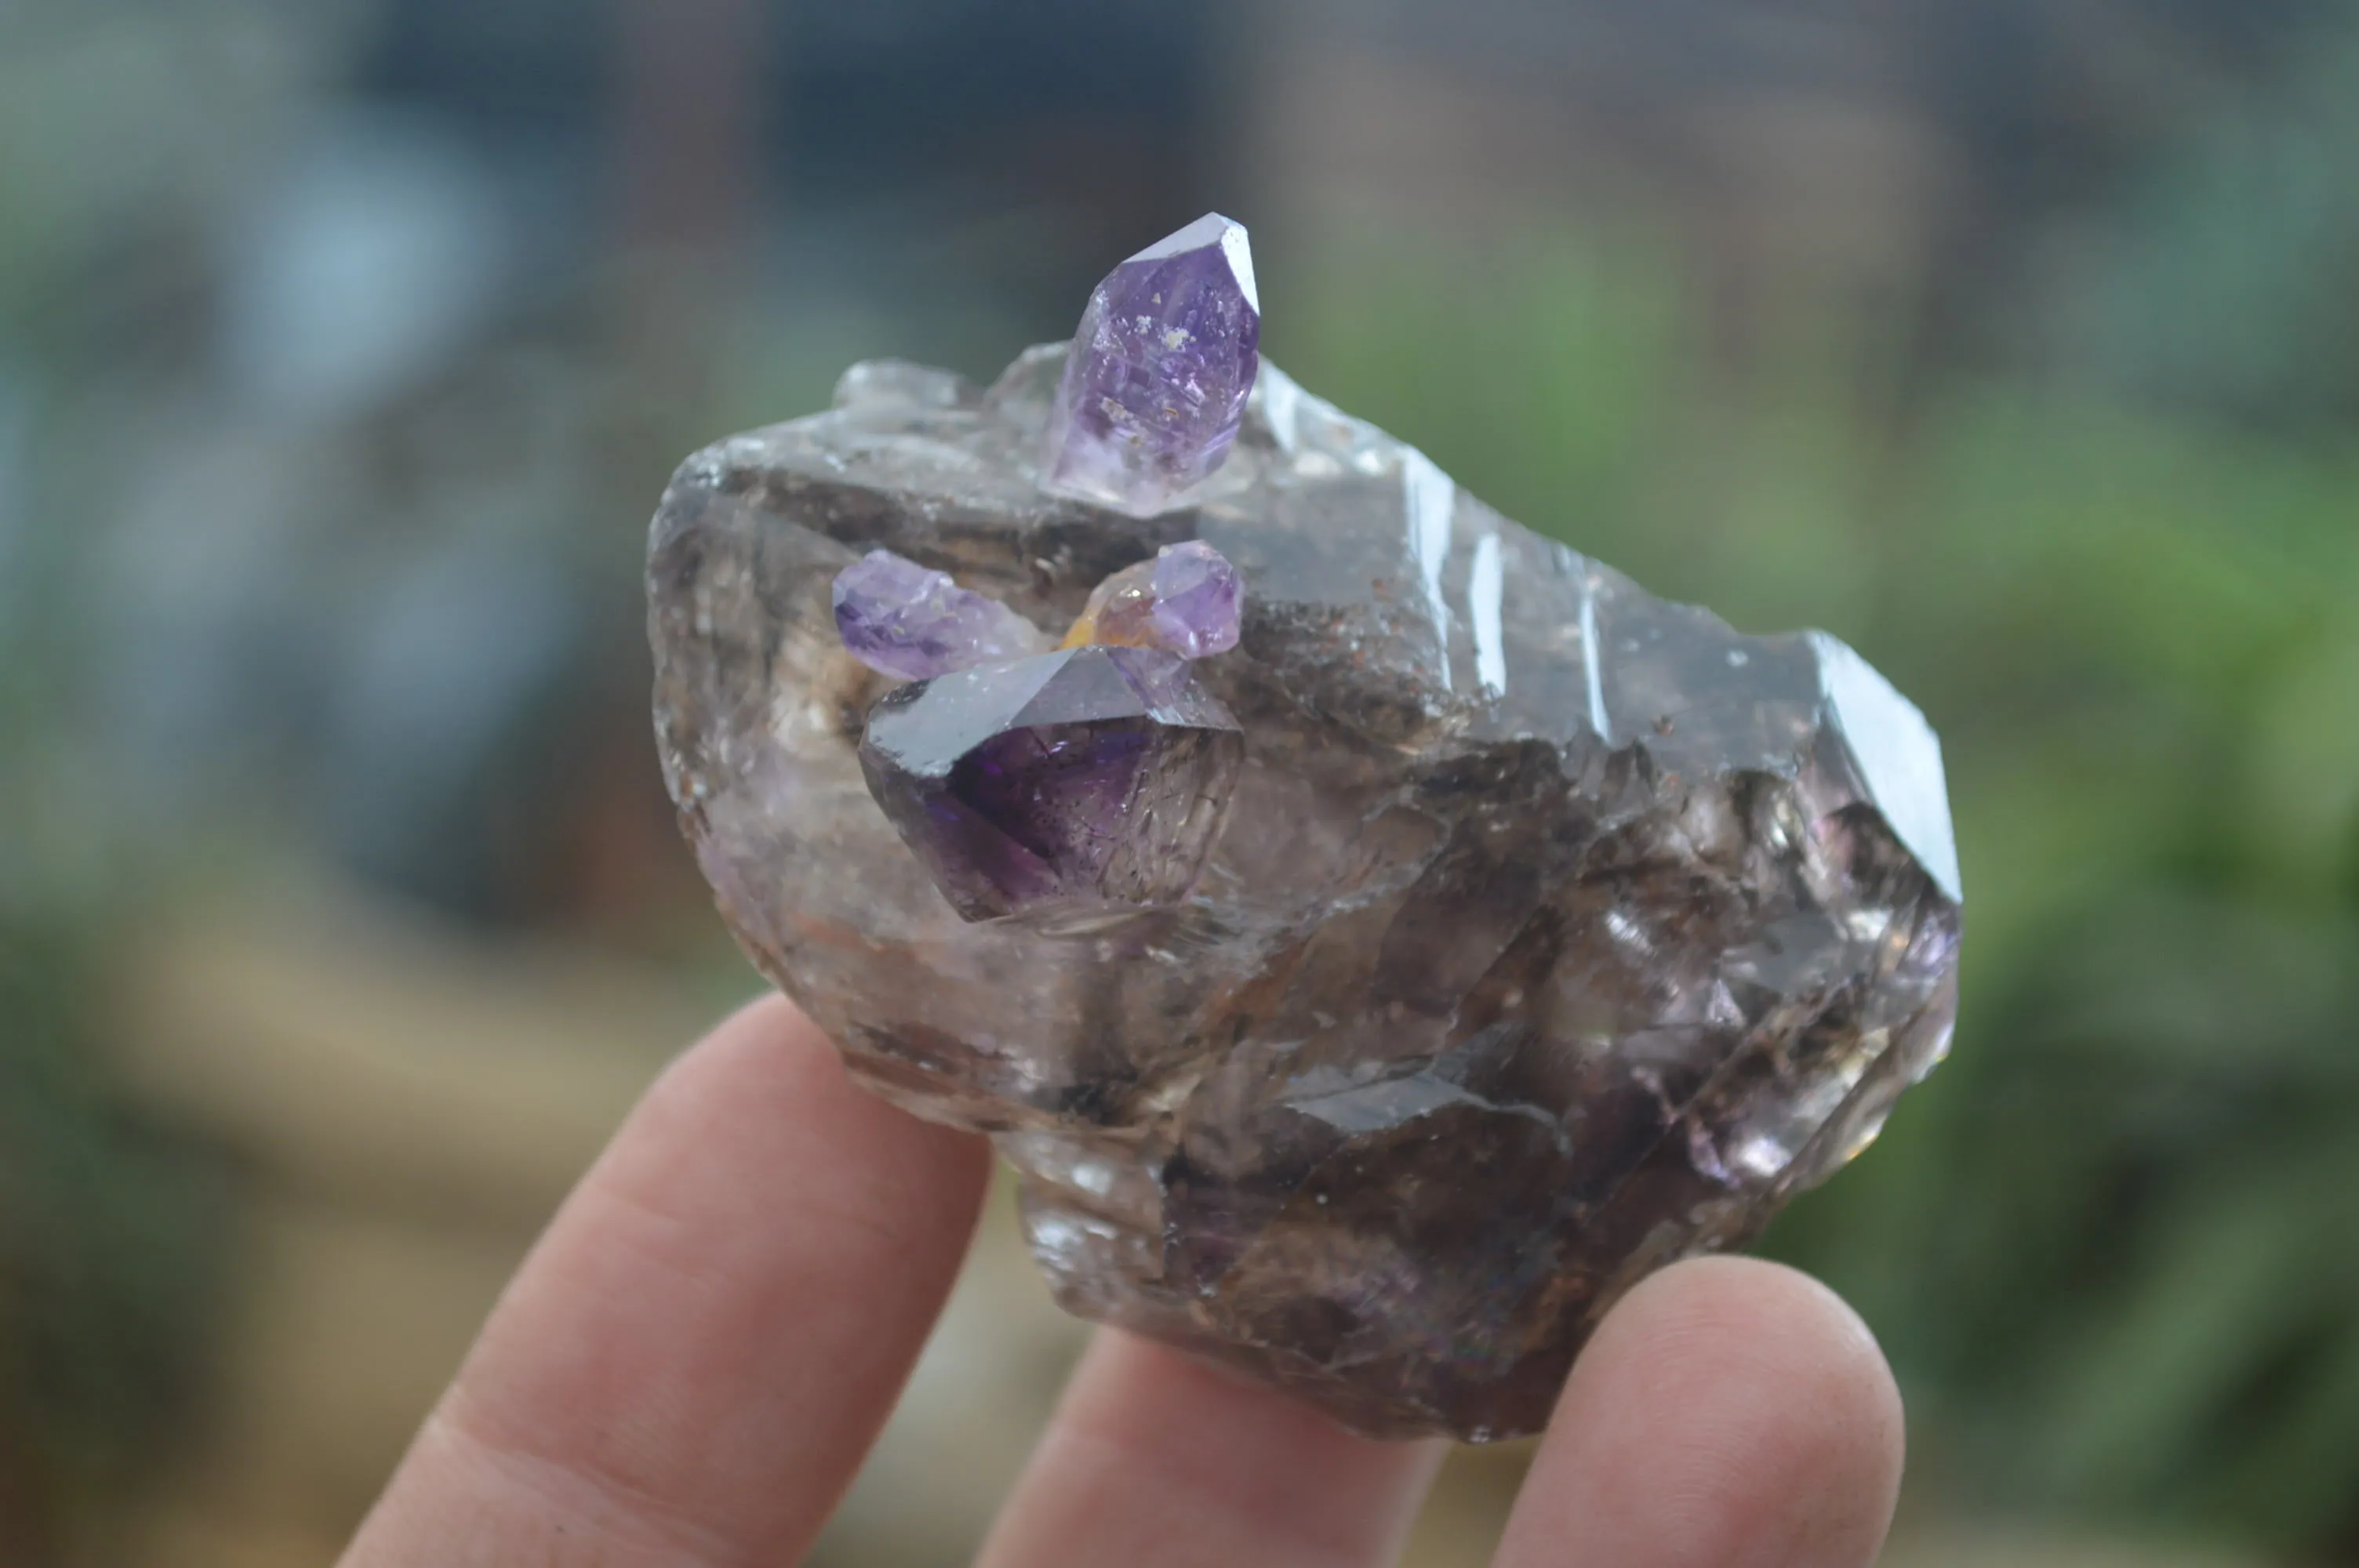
[(1186, 601), (1156, 386), (1089, 777), (1197, 600), (904, 619)]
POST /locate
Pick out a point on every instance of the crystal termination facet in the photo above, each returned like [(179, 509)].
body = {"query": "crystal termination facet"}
[(1156, 386), (1096, 777)]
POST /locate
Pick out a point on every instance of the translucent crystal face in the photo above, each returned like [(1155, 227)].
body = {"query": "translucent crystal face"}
[(1555, 931), (1159, 370), (1092, 779), (902, 620), (1187, 601)]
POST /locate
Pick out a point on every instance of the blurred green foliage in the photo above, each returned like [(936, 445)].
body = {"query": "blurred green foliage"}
[(110, 1228), (2114, 1245), (2225, 283), (109, 1234)]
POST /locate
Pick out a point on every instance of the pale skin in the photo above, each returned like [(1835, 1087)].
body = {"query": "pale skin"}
[(692, 1363)]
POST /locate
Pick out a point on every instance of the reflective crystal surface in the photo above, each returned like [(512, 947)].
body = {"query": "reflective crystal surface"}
[(1556, 931), (1156, 383), (904, 619), (1186, 600), (1083, 781)]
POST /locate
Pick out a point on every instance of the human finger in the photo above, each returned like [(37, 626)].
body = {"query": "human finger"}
[(1729, 1413), (1153, 1460), (691, 1365)]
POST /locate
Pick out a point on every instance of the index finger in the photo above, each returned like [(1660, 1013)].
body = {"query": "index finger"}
[(691, 1365)]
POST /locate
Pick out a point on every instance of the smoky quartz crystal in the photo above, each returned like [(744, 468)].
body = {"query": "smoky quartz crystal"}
[(1555, 931)]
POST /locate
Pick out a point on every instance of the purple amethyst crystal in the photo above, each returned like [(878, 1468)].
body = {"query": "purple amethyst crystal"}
[(1156, 386), (1186, 601), (906, 620), (1089, 777), (1197, 600)]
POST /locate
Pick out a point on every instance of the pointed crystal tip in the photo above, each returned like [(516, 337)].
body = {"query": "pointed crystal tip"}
[(904, 619), (1186, 601), (1155, 384)]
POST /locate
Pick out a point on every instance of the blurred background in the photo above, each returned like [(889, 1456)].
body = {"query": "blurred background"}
[(345, 345)]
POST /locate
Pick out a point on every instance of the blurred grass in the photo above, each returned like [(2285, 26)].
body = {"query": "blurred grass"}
[(2112, 1243)]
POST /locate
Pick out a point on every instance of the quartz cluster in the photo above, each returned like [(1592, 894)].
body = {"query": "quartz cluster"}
[(1068, 785), (1550, 931)]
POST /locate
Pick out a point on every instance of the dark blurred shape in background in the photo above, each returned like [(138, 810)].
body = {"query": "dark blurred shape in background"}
[(345, 345)]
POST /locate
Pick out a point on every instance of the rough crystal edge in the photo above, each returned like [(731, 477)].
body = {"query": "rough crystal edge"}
[(1283, 419)]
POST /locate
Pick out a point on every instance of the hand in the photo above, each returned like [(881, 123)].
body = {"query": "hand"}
[(698, 1354)]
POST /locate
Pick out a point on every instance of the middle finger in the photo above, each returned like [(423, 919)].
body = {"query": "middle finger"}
[(1155, 1462)]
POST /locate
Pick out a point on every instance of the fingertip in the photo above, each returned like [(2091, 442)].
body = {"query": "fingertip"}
[(768, 1022), (1791, 1324), (766, 1069), (1746, 1324), (1157, 1459), (768, 1042), (1728, 1411)]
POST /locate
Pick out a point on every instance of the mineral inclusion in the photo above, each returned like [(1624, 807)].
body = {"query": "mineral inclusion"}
[(1077, 784), (1555, 931), (1155, 384)]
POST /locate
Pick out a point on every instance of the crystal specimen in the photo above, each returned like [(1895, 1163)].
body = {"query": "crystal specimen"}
[(900, 619), (1155, 384), (1096, 777), (1186, 600), (1556, 931)]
